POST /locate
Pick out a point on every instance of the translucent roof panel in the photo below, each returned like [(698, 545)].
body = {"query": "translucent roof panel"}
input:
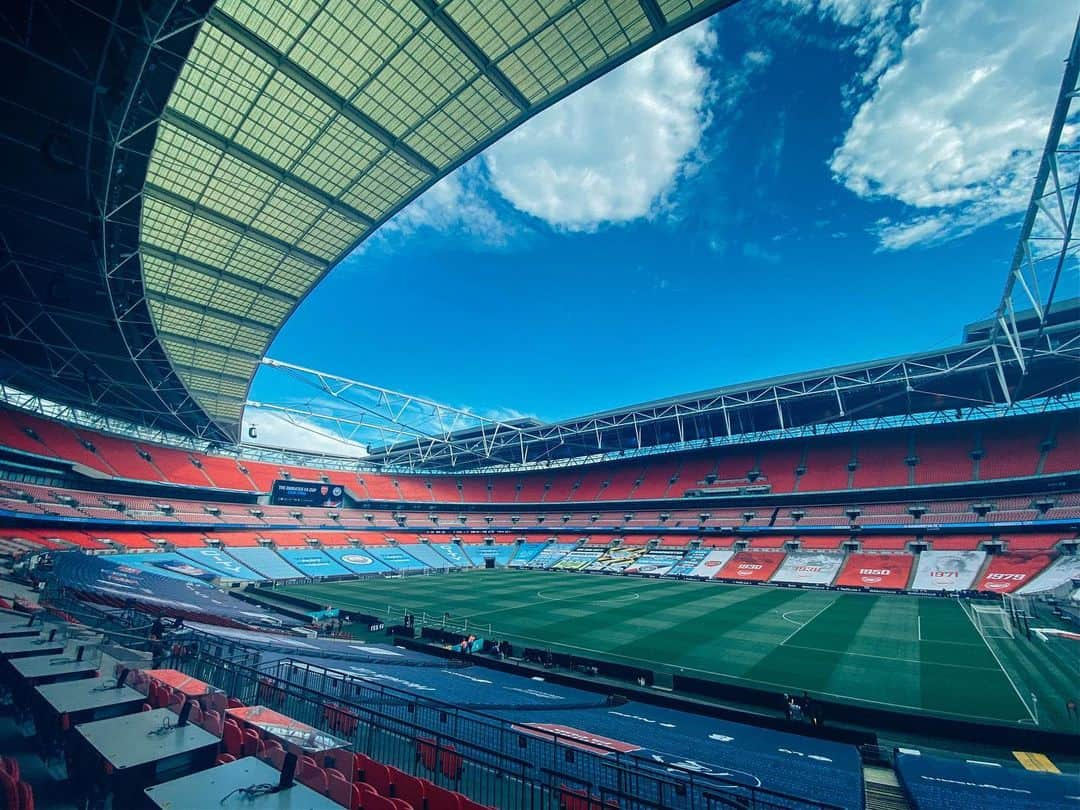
[(297, 127)]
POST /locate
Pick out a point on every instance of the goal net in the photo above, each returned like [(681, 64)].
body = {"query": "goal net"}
[(992, 621)]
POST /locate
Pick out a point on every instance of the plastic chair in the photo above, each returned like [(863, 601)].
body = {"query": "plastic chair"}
[(10, 766), (232, 739), (146, 707), (339, 789), (401, 804), (176, 701), (425, 751), (578, 799), (251, 742), (450, 762), (373, 801), (196, 715), (408, 788), (212, 722), (360, 762), (439, 798), (277, 757), (315, 778), (26, 796), (224, 759), (270, 748), (378, 776), (8, 790), (233, 703), (219, 702)]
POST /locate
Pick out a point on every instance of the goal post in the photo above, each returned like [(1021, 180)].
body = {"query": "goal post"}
[(992, 621)]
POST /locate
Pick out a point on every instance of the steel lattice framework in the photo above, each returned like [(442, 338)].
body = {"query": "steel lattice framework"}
[(1045, 263), (409, 432)]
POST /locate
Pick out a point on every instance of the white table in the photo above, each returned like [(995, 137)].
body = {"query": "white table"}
[(208, 788)]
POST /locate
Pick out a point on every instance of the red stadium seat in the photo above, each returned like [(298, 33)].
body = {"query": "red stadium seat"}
[(378, 776), (212, 722), (425, 752), (439, 798), (576, 799), (251, 742), (450, 762), (232, 738), (408, 788), (355, 797), (373, 801), (360, 764), (224, 759), (26, 796), (314, 777), (8, 790)]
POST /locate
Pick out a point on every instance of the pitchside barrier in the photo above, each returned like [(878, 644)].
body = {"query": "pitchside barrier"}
[(489, 759), (906, 720)]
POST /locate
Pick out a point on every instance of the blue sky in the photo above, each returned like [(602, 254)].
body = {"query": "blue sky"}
[(792, 185)]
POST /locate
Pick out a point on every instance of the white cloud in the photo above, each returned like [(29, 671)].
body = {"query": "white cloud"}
[(954, 126), (612, 151), (456, 203), (277, 429)]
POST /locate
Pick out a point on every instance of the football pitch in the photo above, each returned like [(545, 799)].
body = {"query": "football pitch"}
[(890, 651)]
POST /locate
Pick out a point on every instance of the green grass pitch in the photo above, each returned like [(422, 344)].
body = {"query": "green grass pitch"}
[(892, 651)]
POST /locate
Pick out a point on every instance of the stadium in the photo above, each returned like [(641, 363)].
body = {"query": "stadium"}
[(851, 587)]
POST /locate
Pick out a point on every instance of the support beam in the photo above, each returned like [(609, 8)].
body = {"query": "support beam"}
[(222, 375), (244, 36), (176, 201), (214, 312), (475, 55), (654, 14), (249, 158), (217, 273), (190, 343)]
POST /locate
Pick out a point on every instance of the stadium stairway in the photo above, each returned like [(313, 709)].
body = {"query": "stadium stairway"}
[(882, 789)]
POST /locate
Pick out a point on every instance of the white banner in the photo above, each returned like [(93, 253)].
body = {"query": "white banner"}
[(1064, 570), (809, 567), (947, 570), (711, 565)]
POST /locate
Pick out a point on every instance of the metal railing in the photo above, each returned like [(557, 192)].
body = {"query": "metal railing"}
[(492, 760)]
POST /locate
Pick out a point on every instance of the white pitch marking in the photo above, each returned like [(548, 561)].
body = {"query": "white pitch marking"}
[(786, 613), (722, 676), (890, 658), (790, 635)]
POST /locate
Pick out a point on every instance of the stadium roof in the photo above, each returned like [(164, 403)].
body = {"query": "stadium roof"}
[(235, 152)]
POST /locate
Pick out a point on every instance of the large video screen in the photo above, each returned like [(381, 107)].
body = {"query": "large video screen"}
[(306, 493)]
